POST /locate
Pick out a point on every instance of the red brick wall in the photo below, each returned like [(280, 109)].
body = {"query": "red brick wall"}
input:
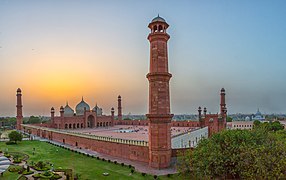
[(132, 152)]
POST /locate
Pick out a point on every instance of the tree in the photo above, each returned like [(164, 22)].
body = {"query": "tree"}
[(256, 124), (34, 120), (268, 126), (15, 136), (275, 126), (228, 119), (240, 154)]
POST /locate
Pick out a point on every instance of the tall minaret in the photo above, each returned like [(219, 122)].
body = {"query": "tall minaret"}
[(223, 110), (19, 109), (53, 117), (119, 108), (222, 102), (159, 116)]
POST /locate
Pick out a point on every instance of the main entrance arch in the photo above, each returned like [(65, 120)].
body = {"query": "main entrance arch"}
[(90, 121)]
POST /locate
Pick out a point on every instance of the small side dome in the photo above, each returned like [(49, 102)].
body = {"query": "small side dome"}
[(98, 110), (68, 111), (158, 18), (80, 108), (19, 90)]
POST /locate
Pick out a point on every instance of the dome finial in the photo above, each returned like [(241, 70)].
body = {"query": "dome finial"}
[(81, 98), (67, 103)]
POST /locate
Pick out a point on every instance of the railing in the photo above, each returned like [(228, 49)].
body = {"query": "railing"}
[(91, 136)]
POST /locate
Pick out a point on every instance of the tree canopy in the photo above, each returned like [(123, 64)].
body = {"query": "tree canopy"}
[(15, 136), (34, 120), (268, 126), (240, 154)]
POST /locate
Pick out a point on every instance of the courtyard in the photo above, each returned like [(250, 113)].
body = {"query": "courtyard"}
[(130, 132), (86, 167)]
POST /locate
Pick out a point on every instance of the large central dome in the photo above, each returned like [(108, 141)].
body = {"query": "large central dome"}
[(81, 107)]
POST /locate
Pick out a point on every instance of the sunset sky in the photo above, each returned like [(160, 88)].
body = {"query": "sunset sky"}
[(61, 50)]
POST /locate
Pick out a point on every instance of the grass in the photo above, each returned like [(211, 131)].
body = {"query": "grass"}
[(89, 168)]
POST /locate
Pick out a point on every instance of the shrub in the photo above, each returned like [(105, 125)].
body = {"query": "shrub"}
[(143, 174), (38, 175), (103, 159), (56, 176), (97, 158), (109, 160), (155, 176), (129, 166), (132, 171), (41, 166), (122, 164), (14, 168), (46, 174), (7, 155), (26, 172), (17, 161), (169, 175), (115, 162), (10, 143), (22, 178)]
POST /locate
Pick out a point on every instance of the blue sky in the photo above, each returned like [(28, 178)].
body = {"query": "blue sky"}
[(58, 51)]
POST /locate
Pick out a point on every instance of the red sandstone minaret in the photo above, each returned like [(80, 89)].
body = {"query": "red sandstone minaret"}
[(19, 109), (112, 116), (52, 116), (222, 101), (223, 110), (119, 108), (159, 116)]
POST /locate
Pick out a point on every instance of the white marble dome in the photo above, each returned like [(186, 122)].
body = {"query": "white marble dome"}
[(98, 110), (81, 107), (68, 111)]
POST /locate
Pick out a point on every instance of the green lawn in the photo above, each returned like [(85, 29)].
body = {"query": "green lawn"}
[(88, 167)]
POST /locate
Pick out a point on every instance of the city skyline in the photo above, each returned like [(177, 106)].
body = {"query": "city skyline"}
[(59, 51)]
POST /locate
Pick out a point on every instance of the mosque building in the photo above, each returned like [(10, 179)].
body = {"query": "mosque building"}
[(258, 116), (82, 117)]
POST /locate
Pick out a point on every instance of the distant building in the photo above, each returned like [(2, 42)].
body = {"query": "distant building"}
[(240, 125), (258, 116)]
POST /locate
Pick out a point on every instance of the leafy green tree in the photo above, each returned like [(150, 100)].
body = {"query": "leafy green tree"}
[(240, 154), (15, 136), (34, 120), (256, 124), (268, 126), (275, 126), (228, 119)]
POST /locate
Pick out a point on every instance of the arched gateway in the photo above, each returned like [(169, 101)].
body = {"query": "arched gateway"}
[(90, 121)]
